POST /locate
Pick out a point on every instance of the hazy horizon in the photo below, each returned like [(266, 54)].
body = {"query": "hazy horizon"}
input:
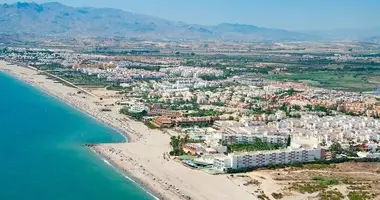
[(322, 15)]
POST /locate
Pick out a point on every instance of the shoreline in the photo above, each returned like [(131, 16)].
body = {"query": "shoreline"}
[(125, 134), (144, 157), (150, 191)]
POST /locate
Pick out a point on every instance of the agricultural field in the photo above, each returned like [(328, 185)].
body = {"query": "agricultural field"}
[(353, 82)]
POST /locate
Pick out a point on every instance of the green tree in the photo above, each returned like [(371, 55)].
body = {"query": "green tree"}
[(323, 143), (289, 141), (184, 140), (283, 107), (309, 107), (175, 142), (335, 148), (297, 107)]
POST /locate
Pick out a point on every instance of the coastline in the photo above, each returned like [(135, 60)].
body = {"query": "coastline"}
[(149, 190), (144, 157), (126, 174), (67, 102)]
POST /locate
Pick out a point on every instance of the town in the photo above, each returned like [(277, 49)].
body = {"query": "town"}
[(190, 100), (232, 114)]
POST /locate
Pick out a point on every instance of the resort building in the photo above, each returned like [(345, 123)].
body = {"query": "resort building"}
[(193, 121), (166, 112), (193, 149), (221, 125), (138, 108), (264, 158), (162, 122), (230, 139), (165, 121)]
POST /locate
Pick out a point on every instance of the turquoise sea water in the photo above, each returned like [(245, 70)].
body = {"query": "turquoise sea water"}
[(42, 156)]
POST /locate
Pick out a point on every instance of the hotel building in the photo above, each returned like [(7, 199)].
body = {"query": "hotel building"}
[(264, 158), (246, 139)]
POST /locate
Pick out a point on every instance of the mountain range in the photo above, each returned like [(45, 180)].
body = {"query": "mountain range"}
[(55, 19)]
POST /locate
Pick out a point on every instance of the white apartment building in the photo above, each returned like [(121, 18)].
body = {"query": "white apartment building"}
[(243, 139), (246, 139), (138, 108), (264, 158), (221, 125)]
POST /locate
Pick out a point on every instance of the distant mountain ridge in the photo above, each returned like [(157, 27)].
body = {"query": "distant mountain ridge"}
[(349, 33), (55, 19)]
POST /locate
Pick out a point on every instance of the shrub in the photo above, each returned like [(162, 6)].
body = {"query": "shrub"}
[(277, 195), (263, 197), (325, 181), (309, 187), (359, 195), (331, 195)]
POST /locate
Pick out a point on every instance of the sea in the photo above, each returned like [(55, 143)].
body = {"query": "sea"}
[(42, 152)]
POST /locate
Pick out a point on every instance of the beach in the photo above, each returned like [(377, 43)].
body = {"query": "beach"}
[(144, 158), (53, 158)]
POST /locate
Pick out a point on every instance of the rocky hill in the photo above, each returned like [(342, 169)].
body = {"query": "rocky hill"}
[(55, 19)]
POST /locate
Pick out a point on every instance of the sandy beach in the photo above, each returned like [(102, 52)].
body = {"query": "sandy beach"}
[(144, 158)]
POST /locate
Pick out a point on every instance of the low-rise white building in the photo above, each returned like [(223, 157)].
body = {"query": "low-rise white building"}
[(373, 155), (222, 163), (264, 158), (231, 139), (138, 108)]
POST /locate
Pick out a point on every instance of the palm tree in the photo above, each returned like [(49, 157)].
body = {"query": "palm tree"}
[(186, 138), (289, 141), (351, 147), (183, 140)]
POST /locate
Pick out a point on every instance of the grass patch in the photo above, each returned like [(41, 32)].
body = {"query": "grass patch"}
[(317, 166), (150, 125), (359, 187), (309, 187), (360, 195), (325, 181), (347, 182), (331, 195), (115, 88)]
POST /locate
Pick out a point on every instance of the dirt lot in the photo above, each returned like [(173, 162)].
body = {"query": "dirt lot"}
[(352, 181)]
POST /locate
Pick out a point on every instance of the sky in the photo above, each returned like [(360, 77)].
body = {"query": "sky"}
[(305, 15)]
